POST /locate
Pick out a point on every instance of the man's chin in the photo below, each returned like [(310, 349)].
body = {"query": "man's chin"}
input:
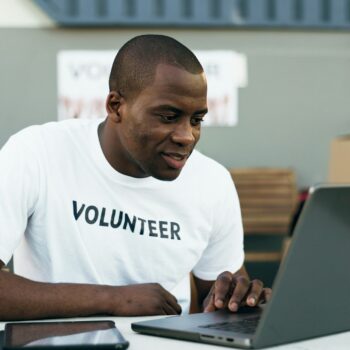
[(167, 176)]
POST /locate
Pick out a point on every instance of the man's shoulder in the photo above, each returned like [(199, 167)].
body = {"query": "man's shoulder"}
[(53, 138), (206, 166), (25, 139), (208, 177), (51, 130), (67, 126), (206, 173)]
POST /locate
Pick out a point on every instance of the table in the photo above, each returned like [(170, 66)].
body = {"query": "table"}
[(137, 341)]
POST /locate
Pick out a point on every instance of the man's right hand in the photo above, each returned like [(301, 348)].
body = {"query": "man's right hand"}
[(143, 299), (23, 299)]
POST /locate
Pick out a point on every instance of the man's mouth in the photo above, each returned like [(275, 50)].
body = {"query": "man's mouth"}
[(175, 160)]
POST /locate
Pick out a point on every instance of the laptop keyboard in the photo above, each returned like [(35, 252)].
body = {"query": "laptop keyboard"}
[(246, 325)]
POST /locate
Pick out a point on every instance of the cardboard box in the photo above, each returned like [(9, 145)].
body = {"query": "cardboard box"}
[(339, 163)]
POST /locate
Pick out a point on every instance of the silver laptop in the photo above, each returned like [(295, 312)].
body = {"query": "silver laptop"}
[(310, 293)]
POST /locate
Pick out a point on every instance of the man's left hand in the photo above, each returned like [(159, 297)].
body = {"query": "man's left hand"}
[(234, 290)]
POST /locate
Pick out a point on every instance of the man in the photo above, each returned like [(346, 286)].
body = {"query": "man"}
[(116, 214)]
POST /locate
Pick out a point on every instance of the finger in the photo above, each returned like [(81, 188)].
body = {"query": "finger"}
[(255, 293), (172, 302), (240, 289), (169, 310), (176, 307), (167, 295), (209, 302), (223, 285), (265, 295)]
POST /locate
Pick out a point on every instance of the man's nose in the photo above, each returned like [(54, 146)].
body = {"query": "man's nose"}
[(183, 134)]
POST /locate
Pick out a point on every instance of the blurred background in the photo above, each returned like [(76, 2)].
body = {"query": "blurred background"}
[(294, 103)]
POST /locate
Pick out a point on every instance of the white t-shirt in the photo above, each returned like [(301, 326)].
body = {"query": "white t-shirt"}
[(68, 216)]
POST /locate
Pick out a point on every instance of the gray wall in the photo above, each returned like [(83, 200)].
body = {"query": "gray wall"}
[(296, 101)]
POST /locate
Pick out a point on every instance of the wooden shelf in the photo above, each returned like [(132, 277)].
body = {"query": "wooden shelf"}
[(263, 256)]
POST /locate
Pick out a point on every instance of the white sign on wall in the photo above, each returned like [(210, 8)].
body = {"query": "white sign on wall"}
[(83, 84)]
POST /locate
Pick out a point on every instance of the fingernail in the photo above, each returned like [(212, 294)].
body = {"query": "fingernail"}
[(251, 301), (219, 303), (233, 306)]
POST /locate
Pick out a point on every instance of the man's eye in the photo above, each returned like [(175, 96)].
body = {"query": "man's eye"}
[(197, 120), (168, 118)]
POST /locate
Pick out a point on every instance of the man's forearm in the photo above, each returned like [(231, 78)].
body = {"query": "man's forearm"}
[(22, 299)]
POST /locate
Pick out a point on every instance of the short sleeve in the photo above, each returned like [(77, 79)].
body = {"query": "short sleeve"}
[(19, 188), (224, 251)]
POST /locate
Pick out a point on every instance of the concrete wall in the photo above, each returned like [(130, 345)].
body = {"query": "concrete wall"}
[(296, 101)]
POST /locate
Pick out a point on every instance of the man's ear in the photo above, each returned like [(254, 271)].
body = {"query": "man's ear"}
[(114, 102)]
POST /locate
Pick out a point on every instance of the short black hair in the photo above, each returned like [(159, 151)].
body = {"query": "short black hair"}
[(135, 65)]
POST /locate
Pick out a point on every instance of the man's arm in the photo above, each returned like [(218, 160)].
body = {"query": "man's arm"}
[(21, 299), (230, 290)]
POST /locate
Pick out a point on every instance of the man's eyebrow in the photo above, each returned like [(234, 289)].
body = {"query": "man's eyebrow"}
[(168, 108), (177, 110), (202, 111)]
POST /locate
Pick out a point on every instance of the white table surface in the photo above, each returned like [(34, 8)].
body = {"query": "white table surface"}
[(137, 341)]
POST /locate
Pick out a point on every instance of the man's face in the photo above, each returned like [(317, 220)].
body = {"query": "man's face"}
[(159, 128)]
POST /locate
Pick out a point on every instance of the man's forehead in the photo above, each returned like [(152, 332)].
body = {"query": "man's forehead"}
[(172, 68), (168, 75)]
